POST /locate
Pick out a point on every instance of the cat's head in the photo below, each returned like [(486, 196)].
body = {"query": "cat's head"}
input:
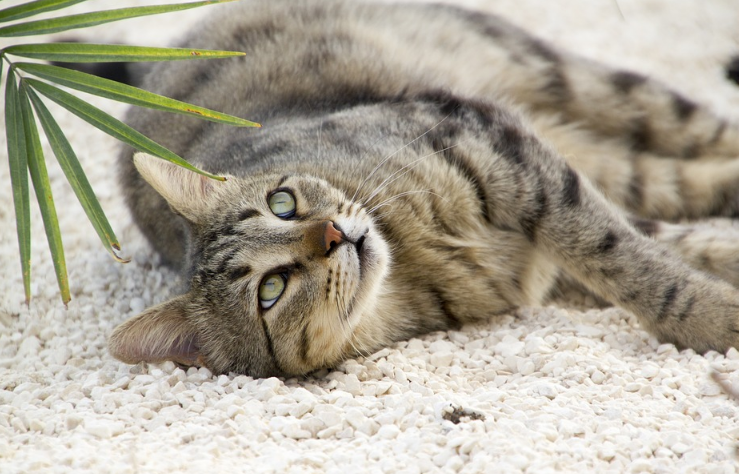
[(286, 268)]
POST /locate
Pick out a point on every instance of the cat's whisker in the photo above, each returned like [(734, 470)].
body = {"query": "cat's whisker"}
[(343, 323), (320, 143), (406, 193), (391, 155), (403, 171), (351, 336)]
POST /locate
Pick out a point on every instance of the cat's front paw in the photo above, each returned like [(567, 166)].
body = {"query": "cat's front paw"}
[(704, 317)]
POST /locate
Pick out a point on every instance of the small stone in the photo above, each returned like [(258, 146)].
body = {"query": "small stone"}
[(73, 421), (441, 346), (649, 371), (352, 385), (680, 448), (441, 358), (301, 409), (103, 429), (329, 432), (294, 431), (36, 425), (29, 348), (525, 367), (722, 410), (5, 449), (137, 305), (569, 428), (388, 432), (592, 332), (732, 354), (509, 346), (546, 389), (598, 377), (328, 414), (355, 417)]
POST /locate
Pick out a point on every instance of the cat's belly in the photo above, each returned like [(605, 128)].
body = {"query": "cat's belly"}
[(517, 273), (475, 275)]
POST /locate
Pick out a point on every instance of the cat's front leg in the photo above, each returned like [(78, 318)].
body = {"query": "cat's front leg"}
[(711, 246), (530, 189)]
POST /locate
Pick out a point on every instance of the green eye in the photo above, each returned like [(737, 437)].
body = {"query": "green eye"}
[(282, 204), (271, 289)]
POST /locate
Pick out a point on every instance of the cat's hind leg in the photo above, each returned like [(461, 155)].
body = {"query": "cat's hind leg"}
[(646, 184), (640, 111)]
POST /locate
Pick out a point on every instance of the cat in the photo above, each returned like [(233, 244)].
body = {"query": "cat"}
[(420, 166)]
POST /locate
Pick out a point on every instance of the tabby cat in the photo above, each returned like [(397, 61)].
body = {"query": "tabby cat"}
[(420, 166)]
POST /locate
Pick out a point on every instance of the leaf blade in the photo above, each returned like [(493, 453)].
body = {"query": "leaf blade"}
[(92, 53), (128, 94), (72, 169), (44, 197), (112, 126), (34, 8), (16, 144), (84, 20)]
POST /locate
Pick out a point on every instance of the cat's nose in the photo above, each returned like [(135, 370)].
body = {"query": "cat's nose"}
[(332, 236)]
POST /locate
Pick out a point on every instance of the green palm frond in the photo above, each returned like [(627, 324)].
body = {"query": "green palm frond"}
[(25, 108)]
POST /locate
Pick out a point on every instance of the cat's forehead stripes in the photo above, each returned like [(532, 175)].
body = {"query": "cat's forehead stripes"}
[(239, 272), (248, 214)]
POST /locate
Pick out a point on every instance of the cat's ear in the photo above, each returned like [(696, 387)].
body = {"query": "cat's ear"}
[(190, 194), (158, 334)]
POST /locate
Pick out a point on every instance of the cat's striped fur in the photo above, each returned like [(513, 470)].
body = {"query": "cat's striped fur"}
[(465, 165)]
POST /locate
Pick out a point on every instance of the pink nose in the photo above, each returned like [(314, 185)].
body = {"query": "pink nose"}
[(332, 236)]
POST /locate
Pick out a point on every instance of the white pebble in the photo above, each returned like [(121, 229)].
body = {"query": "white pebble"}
[(355, 417), (441, 346), (103, 429), (388, 432), (441, 358), (598, 377), (509, 347), (137, 305)]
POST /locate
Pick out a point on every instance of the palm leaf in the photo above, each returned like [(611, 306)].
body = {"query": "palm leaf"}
[(42, 186), (76, 176), (111, 125), (124, 93), (19, 177), (110, 53), (85, 20), (34, 8)]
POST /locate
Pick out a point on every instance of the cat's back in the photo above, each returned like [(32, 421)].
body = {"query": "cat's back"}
[(307, 58), (335, 85)]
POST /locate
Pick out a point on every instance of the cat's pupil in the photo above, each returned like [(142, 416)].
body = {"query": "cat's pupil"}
[(282, 204), (271, 289)]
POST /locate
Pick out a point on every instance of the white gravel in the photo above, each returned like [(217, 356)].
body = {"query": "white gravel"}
[(547, 390)]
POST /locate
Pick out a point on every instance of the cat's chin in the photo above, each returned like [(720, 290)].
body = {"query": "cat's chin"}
[(373, 254)]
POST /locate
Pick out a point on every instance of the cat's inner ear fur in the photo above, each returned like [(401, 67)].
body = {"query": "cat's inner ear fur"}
[(158, 334), (188, 193)]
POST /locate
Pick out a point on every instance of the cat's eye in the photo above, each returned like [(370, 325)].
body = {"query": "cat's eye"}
[(271, 289), (282, 204)]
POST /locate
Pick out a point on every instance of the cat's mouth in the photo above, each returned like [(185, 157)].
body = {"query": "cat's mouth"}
[(360, 244), (357, 243), (362, 254)]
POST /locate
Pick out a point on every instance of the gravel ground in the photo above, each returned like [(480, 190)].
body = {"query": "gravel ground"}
[(541, 390)]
